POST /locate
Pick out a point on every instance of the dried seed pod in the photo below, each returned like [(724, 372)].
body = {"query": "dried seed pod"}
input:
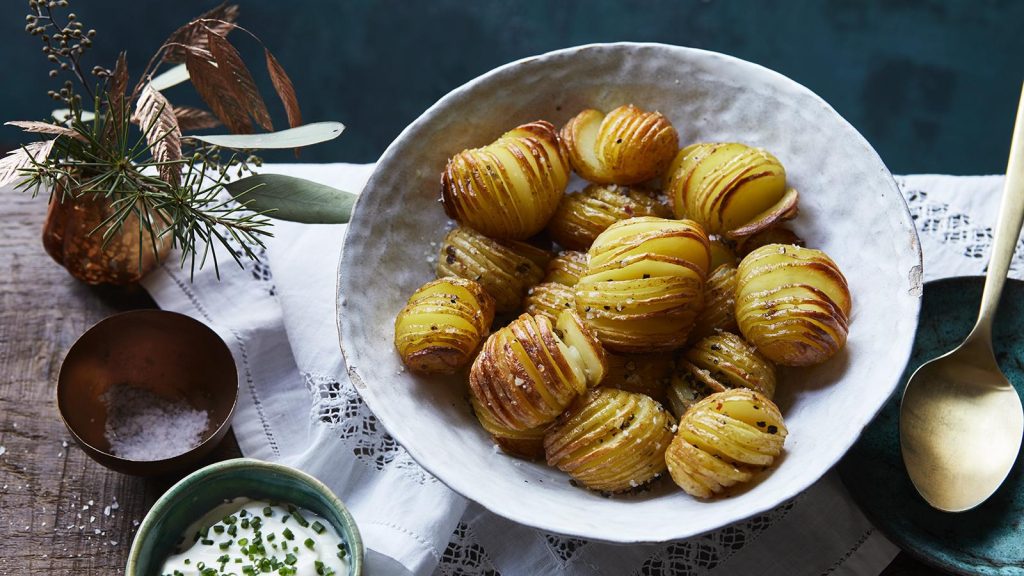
[(567, 268), (510, 188), (442, 325), (626, 146), (648, 374), (792, 303), (773, 235), (719, 313), (730, 188), (528, 444), (583, 215), (611, 440), (527, 373), (549, 299), (644, 284), (723, 439), (730, 362), (505, 274)]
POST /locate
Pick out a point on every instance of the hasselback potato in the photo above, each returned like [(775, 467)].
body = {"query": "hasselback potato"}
[(527, 373), (549, 299), (723, 439), (686, 388), (504, 273), (610, 440), (644, 284), (719, 311), (567, 268), (626, 146), (727, 360), (527, 444), (793, 304), (722, 253), (510, 188), (648, 374), (729, 188), (442, 325), (583, 215), (773, 235)]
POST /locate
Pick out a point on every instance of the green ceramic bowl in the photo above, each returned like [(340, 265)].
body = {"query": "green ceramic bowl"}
[(204, 489)]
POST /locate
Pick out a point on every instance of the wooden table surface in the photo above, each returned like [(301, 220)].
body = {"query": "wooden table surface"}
[(60, 511)]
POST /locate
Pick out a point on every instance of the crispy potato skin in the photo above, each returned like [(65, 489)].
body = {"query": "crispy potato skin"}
[(645, 284), (611, 440), (503, 270), (442, 325), (724, 360), (730, 188), (626, 146), (723, 439), (719, 313), (526, 375), (793, 304), (583, 215), (509, 189), (549, 299), (567, 268)]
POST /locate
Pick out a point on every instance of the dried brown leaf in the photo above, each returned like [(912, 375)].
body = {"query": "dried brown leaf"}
[(237, 76), (216, 91), (194, 118), (11, 166), (45, 128), (194, 33), (116, 86), (157, 121), (285, 90)]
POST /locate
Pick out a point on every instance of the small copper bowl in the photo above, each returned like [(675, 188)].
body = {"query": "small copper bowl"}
[(170, 355)]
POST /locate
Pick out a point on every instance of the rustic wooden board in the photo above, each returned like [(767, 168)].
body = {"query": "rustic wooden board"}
[(53, 498)]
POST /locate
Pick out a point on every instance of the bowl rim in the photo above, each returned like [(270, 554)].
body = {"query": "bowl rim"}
[(165, 500), (215, 438), (462, 486)]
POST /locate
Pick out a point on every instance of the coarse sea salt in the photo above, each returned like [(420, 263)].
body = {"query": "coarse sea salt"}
[(143, 426)]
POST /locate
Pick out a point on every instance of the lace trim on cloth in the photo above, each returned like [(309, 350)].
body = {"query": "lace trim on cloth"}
[(338, 406), (464, 556), (954, 228)]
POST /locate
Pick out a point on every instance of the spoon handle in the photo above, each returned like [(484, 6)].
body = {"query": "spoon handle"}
[(1011, 216)]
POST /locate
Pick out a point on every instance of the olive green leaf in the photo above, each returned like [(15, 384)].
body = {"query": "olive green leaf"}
[(293, 199)]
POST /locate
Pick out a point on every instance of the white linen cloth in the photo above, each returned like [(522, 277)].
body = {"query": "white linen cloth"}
[(296, 406)]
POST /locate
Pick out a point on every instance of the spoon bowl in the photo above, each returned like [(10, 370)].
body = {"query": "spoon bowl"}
[(961, 421)]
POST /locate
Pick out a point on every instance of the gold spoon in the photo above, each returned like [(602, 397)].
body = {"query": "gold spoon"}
[(961, 421)]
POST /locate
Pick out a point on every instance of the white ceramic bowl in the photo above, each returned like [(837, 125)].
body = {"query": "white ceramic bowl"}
[(849, 207)]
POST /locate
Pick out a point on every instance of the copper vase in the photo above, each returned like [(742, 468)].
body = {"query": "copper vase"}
[(73, 236)]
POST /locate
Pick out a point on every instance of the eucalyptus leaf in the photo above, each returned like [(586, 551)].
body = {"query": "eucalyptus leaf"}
[(172, 77), (291, 138), (62, 115), (293, 199)]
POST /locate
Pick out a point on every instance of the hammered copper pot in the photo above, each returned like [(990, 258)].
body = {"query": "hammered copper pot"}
[(73, 236)]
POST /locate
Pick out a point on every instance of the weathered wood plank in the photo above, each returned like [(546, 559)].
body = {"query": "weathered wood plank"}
[(53, 498)]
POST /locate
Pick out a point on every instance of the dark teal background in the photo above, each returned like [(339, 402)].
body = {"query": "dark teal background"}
[(933, 84)]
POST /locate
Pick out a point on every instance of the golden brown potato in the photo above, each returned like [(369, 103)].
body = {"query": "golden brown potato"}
[(528, 444), (505, 274), (719, 313), (648, 374), (442, 325), (686, 389), (583, 215), (539, 256), (723, 439), (549, 299), (773, 235), (527, 373), (729, 188), (567, 268), (626, 146), (644, 284), (793, 304), (611, 440), (722, 253), (725, 360), (510, 188)]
